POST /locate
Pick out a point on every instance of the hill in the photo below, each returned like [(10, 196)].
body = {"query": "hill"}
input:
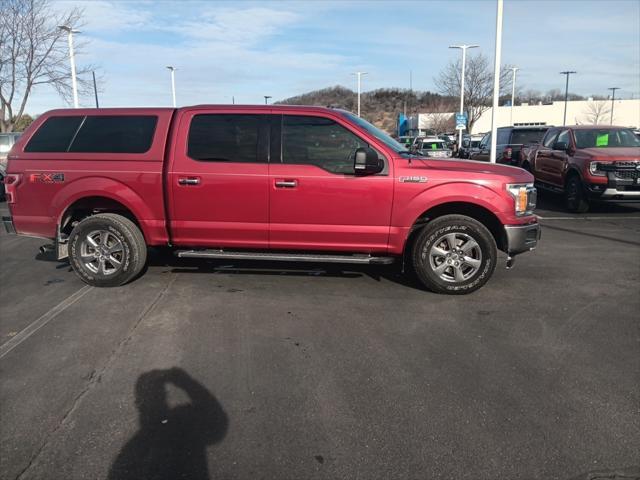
[(380, 107)]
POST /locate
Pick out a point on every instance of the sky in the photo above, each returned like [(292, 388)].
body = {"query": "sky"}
[(284, 48)]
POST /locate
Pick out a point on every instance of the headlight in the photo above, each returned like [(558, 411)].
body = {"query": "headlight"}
[(593, 170), (524, 196)]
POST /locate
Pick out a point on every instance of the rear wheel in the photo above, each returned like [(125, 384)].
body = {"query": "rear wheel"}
[(107, 250), (454, 254), (575, 199)]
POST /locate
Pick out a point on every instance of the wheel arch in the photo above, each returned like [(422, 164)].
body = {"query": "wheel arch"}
[(468, 209)]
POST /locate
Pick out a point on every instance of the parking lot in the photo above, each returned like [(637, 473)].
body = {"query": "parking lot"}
[(251, 370)]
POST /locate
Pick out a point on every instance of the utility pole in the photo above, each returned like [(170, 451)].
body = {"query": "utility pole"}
[(513, 91), (359, 75), (464, 62), (266, 99), (496, 82), (173, 83), (566, 94), (95, 88), (613, 97), (74, 83)]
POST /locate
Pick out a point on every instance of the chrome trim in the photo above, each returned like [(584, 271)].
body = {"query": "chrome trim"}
[(284, 257), (613, 192)]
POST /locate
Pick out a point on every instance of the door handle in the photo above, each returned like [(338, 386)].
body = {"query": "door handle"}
[(189, 181), (286, 183)]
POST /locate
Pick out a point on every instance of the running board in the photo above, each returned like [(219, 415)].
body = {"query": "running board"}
[(285, 257)]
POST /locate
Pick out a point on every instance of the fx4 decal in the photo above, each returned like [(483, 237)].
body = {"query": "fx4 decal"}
[(46, 177)]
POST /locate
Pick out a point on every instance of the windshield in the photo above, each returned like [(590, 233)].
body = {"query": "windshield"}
[(526, 136), (375, 131), (606, 138), (433, 146)]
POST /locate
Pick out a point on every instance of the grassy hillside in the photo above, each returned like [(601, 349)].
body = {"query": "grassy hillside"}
[(380, 107)]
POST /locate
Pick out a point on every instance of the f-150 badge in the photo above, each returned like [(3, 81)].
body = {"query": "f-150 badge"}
[(413, 179)]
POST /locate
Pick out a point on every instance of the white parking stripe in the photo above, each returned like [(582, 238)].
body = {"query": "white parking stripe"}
[(588, 218), (33, 327)]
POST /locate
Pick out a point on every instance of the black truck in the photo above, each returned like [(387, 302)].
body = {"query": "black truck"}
[(509, 143)]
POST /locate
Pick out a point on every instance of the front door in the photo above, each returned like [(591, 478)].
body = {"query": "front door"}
[(316, 200), (218, 180)]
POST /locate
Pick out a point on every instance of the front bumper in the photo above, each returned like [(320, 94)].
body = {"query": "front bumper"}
[(623, 183), (522, 238), (8, 224)]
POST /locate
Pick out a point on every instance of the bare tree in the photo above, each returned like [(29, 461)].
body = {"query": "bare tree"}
[(478, 84), (33, 52), (597, 111)]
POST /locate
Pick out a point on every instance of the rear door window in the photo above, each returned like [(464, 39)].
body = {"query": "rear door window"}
[(54, 135), (526, 136), (503, 136), (225, 138)]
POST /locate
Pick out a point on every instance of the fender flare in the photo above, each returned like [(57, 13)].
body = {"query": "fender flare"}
[(98, 186)]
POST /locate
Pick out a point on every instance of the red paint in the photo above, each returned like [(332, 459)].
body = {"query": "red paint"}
[(185, 202)]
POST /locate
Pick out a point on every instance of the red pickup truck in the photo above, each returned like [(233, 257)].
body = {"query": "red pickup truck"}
[(587, 163), (268, 183)]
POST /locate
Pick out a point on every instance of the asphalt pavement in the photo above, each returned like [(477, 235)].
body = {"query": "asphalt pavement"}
[(211, 370)]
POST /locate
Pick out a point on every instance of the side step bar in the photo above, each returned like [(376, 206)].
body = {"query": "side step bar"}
[(285, 257)]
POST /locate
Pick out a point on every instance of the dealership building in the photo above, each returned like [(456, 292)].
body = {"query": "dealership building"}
[(583, 112)]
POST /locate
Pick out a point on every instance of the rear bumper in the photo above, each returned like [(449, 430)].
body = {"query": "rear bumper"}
[(522, 238), (8, 224)]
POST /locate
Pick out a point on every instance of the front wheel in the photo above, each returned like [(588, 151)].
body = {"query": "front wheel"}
[(454, 254), (575, 199), (107, 250)]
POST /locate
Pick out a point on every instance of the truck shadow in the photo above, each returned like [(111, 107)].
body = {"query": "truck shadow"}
[(171, 442), (392, 273)]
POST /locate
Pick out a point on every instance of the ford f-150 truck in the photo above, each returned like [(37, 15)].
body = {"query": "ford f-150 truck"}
[(267, 183), (588, 163)]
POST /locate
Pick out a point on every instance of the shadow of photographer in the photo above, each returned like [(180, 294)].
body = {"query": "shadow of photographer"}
[(171, 442)]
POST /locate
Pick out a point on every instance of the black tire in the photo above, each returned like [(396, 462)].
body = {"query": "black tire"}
[(432, 237), (574, 195), (123, 235)]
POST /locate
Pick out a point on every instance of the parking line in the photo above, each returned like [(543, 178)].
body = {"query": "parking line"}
[(32, 328), (588, 218)]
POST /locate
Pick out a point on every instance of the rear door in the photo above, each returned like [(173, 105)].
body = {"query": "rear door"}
[(317, 203), (218, 179)]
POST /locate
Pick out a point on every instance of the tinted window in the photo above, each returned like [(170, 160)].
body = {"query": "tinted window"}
[(526, 136), (224, 138), (320, 142), (550, 138), (54, 135), (115, 134), (503, 136), (563, 137)]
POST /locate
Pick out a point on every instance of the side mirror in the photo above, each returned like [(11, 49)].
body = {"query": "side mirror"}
[(563, 146), (367, 162)]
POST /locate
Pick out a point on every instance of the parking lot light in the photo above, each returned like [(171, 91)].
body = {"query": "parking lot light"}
[(566, 94), (513, 91), (173, 83), (613, 97), (464, 61), (359, 75), (74, 83)]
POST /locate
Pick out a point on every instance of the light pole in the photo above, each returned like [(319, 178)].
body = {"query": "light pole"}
[(95, 88), (566, 94), (359, 75), (173, 83), (513, 91), (464, 63), (266, 99), (496, 82), (613, 97), (74, 83)]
